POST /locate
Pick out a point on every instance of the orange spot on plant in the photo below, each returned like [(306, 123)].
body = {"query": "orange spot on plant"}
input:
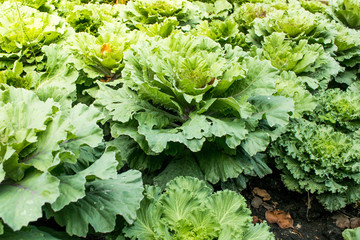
[(105, 48)]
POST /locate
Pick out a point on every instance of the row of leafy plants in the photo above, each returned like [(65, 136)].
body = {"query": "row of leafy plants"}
[(122, 119)]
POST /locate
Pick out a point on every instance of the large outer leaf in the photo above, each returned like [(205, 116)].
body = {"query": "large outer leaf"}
[(34, 233), (21, 202), (104, 200), (72, 187)]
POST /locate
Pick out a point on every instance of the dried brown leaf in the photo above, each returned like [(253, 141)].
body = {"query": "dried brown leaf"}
[(281, 218), (354, 222), (342, 221), (256, 202), (262, 193)]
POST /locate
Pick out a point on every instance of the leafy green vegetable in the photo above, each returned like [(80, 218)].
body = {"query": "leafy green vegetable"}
[(351, 234), (157, 11), (189, 210), (47, 157), (339, 109), (184, 91), (24, 31), (300, 57), (102, 56), (320, 160), (347, 11)]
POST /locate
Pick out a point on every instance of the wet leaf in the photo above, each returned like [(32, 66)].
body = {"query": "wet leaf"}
[(283, 219)]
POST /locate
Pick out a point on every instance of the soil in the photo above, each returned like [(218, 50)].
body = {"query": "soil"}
[(314, 223)]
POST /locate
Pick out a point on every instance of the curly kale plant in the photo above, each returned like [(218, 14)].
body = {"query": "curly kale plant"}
[(317, 159), (187, 92), (188, 209)]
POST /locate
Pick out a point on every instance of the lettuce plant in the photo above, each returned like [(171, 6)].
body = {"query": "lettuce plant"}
[(317, 159), (188, 209), (24, 31), (246, 13), (348, 46), (156, 11), (50, 159), (187, 92), (300, 57), (102, 56), (347, 11), (223, 32), (296, 23)]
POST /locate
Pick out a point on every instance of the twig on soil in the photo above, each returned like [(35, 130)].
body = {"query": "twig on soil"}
[(308, 206)]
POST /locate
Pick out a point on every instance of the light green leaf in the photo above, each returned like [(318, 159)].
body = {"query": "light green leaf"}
[(231, 211), (259, 232), (21, 202), (72, 187), (275, 109), (351, 234), (104, 200)]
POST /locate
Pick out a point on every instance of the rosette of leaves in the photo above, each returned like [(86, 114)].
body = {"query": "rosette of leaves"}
[(296, 23), (89, 17), (52, 157), (223, 32), (340, 109), (156, 11), (315, 6), (188, 209), (56, 81), (187, 93), (347, 11), (304, 59), (348, 46), (316, 158), (23, 33), (37, 4), (246, 13), (102, 57), (214, 10)]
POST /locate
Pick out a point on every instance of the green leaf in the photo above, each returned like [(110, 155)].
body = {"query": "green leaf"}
[(231, 211), (259, 232), (351, 234), (72, 187), (104, 200), (186, 166), (36, 233), (275, 109), (217, 165), (21, 202)]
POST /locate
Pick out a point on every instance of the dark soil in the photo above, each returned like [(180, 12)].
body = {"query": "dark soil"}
[(314, 223)]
